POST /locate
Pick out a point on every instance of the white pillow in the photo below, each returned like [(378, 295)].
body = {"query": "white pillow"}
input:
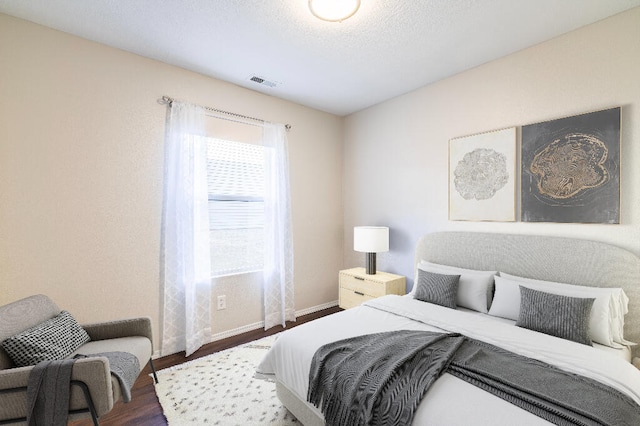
[(474, 287), (506, 303), (618, 304), (506, 299)]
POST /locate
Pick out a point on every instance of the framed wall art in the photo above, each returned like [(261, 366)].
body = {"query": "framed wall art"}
[(571, 169), (482, 176)]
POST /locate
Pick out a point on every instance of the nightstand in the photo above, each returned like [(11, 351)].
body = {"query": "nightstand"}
[(357, 287)]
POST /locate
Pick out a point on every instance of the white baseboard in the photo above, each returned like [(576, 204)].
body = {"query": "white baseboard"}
[(257, 325), (236, 331), (315, 309)]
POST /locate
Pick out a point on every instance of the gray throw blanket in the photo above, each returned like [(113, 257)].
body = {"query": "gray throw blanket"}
[(48, 393), (48, 388), (124, 366), (380, 379)]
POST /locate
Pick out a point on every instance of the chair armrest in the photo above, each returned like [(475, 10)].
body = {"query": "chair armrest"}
[(94, 372), (14, 377), (13, 392), (120, 328)]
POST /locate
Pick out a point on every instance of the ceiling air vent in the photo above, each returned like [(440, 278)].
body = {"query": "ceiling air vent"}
[(262, 81)]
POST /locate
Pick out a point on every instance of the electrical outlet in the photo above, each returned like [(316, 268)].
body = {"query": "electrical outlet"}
[(222, 302)]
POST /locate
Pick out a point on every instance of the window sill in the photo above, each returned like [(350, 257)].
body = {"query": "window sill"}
[(232, 274)]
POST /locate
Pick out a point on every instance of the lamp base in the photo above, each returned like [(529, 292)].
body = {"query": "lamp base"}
[(371, 263)]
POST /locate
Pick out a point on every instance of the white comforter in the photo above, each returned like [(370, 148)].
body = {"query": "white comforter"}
[(450, 401)]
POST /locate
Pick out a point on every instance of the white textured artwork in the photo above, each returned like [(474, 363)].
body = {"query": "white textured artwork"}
[(482, 176)]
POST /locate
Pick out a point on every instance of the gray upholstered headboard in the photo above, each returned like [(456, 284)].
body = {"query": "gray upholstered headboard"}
[(566, 260)]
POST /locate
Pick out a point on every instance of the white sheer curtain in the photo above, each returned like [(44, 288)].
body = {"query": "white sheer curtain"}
[(278, 241), (186, 263)]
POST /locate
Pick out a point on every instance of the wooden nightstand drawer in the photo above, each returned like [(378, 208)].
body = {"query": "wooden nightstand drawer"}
[(364, 286), (350, 298), (357, 287)]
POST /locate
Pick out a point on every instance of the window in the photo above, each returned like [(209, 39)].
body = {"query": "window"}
[(235, 172)]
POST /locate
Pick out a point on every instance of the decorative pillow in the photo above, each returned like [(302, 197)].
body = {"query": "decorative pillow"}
[(475, 288), (506, 299), (561, 316), (437, 288), (53, 339), (605, 311)]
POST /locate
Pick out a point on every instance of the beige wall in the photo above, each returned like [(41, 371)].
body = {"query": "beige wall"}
[(81, 163), (401, 146), (81, 160)]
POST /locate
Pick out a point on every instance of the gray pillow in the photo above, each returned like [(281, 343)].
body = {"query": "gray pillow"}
[(561, 316), (53, 339), (435, 288)]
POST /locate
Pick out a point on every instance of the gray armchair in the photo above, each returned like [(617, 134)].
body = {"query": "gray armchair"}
[(93, 389)]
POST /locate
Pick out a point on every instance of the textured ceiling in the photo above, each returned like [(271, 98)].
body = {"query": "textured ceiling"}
[(388, 48)]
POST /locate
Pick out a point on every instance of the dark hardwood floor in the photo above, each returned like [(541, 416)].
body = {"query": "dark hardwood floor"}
[(144, 408)]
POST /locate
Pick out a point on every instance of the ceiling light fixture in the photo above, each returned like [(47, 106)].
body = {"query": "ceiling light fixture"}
[(333, 10)]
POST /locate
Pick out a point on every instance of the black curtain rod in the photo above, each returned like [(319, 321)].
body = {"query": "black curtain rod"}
[(169, 100)]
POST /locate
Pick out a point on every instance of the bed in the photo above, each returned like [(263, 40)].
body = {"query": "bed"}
[(451, 401)]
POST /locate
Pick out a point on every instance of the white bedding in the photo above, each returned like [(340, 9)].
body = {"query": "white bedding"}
[(624, 352), (450, 401)]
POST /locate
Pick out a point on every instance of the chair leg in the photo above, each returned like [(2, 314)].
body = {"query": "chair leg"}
[(87, 397), (153, 370)]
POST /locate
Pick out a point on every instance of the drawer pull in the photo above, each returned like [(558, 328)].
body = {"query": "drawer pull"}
[(358, 293), (359, 278)]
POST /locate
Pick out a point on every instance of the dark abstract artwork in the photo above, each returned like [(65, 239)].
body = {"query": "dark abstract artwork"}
[(571, 169)]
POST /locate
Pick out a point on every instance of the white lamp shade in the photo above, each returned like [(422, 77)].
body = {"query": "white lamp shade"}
[(371, 239)]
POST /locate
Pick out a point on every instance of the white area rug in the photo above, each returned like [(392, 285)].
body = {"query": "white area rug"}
[(219, 389)]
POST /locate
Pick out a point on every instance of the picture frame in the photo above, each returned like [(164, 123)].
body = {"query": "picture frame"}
[(482, 176), (570, 169)]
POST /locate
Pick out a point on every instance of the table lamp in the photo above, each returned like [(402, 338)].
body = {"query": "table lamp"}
[(371, 240)]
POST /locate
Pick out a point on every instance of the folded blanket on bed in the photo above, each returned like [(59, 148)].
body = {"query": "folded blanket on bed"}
[(351, 378), (379, 379)]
